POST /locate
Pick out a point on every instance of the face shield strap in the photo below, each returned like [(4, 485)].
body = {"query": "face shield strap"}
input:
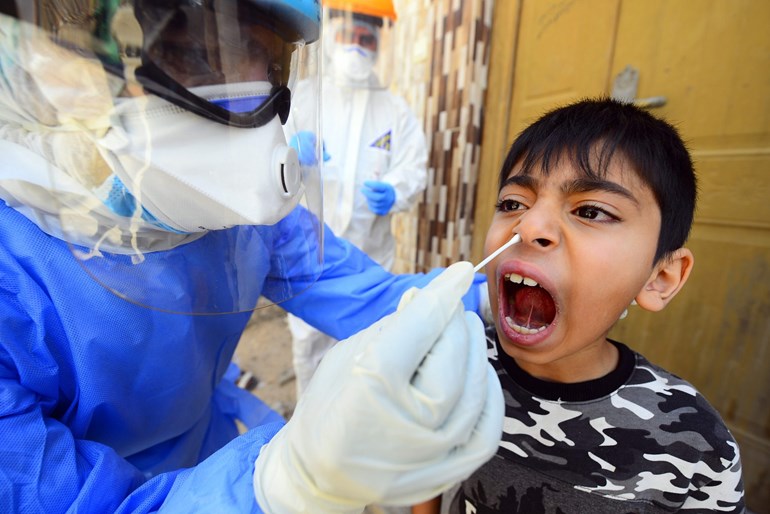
[(159, 83)]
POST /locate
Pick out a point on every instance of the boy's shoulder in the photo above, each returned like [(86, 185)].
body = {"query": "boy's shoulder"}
[(651, 399), (673, 409), (654, 429)]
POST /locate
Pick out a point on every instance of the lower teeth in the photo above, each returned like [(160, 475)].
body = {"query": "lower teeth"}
[(520, 329)]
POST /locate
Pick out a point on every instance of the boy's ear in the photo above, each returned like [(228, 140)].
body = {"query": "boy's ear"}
[(666, 279)]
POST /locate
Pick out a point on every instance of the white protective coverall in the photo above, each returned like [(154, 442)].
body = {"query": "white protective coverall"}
[(369, 134)]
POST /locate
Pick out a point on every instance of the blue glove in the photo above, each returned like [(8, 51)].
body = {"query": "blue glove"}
[(380, 196), (304, 143)]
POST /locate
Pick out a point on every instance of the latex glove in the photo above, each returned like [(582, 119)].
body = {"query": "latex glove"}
[(394, 415), (304, 143), (380, 196)]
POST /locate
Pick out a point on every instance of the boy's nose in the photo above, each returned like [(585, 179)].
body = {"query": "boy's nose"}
[(539, 227)]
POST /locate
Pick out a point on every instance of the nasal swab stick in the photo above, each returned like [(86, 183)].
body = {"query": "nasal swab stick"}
[(515, 239), (408, 295)]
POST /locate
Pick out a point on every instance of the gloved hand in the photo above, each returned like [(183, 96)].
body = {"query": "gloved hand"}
[(394, 415), (304, 143), (380, 196)]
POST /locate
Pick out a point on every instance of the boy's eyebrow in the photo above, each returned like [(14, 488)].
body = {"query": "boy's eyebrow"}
[(579, 185), (520, 180), (585, 184)]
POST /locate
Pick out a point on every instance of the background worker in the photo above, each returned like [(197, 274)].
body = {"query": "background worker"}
[(149, 201), (375, 154)]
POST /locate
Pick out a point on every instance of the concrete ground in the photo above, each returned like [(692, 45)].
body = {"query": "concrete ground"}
[(265, 351)]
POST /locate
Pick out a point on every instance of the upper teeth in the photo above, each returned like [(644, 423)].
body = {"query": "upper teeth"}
[(518, 279)]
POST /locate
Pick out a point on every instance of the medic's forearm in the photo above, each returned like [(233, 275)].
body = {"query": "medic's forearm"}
[(353, 291), (46, 468), (223, 483)]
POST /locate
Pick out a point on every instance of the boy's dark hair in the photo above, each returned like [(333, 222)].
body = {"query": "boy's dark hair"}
[(601, 128)]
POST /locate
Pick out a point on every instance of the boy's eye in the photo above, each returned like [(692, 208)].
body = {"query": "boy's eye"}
[(508, 206), (592, 212)]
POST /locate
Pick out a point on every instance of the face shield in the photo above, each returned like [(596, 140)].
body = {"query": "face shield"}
[(358, 43), (151, 136)]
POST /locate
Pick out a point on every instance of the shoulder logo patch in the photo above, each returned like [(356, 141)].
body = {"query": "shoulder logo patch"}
[(382, 142)]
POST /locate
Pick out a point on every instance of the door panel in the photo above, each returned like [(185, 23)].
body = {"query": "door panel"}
[(551, 67)]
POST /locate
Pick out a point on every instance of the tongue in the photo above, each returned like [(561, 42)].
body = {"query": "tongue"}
[(533, 307)]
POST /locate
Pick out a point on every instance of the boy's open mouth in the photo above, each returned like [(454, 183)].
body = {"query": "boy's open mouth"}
[(527, 307)]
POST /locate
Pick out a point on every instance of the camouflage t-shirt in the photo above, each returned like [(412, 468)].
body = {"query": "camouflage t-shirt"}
[(637, 440)]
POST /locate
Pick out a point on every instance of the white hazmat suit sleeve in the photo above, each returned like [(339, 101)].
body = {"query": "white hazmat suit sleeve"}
[(394, 415), (409, 159)]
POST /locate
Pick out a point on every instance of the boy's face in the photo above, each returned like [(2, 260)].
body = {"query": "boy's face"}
[(589, 245)]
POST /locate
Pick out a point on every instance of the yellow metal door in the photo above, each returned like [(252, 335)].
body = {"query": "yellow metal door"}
[(711, 62)]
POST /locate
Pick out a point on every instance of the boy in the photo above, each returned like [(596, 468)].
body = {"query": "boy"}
[(602, 195)]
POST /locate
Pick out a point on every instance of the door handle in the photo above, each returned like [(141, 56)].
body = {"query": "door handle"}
[(650, 102), (625, 87)]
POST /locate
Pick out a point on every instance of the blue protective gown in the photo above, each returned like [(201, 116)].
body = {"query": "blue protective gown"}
[(106, 406)]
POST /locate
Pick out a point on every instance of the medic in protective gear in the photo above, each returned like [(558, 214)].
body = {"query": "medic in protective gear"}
[(376, 154), (149, 201)]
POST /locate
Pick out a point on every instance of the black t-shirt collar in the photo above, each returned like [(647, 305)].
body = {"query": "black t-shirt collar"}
[(575, 392)]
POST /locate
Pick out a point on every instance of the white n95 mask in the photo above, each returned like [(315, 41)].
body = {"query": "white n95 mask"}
[(195, 175), (354, 62)]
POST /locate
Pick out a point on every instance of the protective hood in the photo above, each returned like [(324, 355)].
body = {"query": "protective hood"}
[(358, 48)]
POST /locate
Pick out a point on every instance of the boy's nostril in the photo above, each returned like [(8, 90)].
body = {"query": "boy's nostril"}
[(542, 242)]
